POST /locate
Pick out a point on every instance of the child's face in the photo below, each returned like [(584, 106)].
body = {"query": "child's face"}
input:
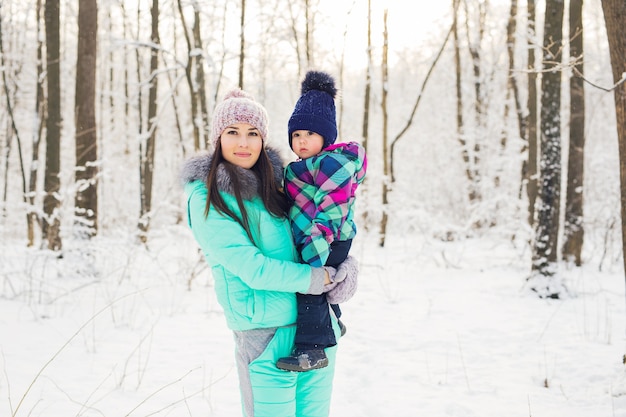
[(241, 144), (306, 144)]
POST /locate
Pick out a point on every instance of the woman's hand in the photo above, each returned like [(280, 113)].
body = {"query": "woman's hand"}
[(326, 278), (330, 273), (329, 282)]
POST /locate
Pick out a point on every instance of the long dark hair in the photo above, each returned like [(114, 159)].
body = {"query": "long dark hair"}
[(271, 194)]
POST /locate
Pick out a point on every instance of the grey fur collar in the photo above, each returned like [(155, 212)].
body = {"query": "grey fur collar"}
[(197, 168)]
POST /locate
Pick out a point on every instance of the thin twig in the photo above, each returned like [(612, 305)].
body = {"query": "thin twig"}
[(463, 363), (6, 376), (65, 345), (157, 391)]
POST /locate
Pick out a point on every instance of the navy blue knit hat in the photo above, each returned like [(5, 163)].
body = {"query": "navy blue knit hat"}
[(315, 109)]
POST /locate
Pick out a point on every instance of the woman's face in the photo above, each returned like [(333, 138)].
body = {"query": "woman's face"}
[(241, 144)]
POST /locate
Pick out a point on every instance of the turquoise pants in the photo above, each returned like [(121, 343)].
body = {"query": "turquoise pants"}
[(267, 391)]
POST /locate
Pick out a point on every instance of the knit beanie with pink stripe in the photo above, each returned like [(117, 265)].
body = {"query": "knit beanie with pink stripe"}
[(238, 106)]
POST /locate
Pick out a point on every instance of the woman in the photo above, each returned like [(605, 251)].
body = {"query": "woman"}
[(237, 213)]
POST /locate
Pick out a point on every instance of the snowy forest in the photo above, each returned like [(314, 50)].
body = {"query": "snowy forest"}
[(488, 124)]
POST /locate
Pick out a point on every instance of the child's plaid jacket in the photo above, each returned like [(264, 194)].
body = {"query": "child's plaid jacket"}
[(322, 191)]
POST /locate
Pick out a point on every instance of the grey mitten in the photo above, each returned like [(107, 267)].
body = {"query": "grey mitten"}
[(345, 289), (349, 266)]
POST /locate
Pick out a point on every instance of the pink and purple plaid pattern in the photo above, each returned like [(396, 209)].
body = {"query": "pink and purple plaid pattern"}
[(322, 189)]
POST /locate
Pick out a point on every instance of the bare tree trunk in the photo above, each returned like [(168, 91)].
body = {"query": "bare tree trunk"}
[(222, 66), (194, 86), (366, 104), (107, 125), (460, 125), (147, 157), (383, 105), (573, 230), (479, 101), (296, 37), (86, 201), (242, 44), (368, 79), (200, 78), (173, 83), (52, 182), (127, 99), (307, 34), (459, 93), (13, 130), (190, 82), (615, 16), (176, 115), (39, 116), (529, 165), (6, 158), (111, 72), (512, 83), (140, 132), (342, 65), (304, 52), (545, 250)]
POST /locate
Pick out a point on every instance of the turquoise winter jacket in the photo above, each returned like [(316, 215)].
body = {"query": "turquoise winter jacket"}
[(255, 284)]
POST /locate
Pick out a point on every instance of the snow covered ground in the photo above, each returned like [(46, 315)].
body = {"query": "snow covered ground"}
[(435, 329)]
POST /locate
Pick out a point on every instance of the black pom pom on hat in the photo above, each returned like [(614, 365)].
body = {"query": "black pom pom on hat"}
[(315, 109), (321, 81)]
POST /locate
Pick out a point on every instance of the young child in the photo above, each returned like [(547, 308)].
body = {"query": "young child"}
[(321, 186)]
